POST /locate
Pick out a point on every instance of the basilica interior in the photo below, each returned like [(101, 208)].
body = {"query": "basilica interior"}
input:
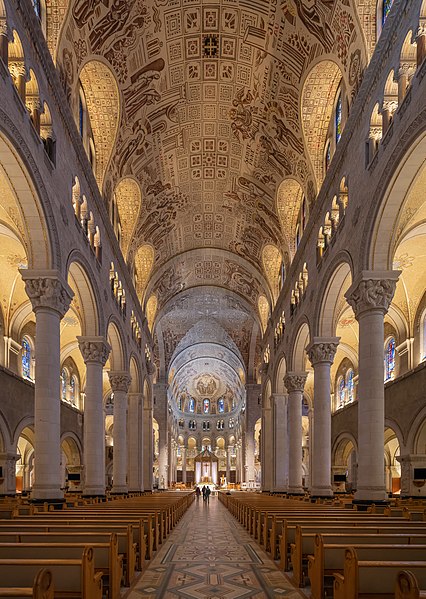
[(212, 255)]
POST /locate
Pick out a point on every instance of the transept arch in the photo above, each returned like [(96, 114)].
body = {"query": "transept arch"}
[(103, 106)]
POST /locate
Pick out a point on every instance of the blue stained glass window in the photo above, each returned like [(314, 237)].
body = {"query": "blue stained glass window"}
[(342, 391), (72, 390), (385, 11), (390, 360), (37, 8), (26, 359), (81, 116), (64, 384), (192, 405), (221, 405), (327, 155), (206, 406), (338, 117), (350, 384)]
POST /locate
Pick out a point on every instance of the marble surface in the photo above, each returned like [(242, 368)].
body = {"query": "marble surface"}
[(210, 556)]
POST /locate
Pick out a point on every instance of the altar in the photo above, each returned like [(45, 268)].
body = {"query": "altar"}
[(206, 468)]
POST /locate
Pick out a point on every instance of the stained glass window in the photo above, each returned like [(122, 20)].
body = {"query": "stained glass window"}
[(221, 405), (390, 359), (297, 235), (342, 391), (72, 390), (192, 405), (37, 8), (26, 359), (303, 219), (81, 116), (206, 406), (64, 384), (338, 117), (350, 384), (385, 11), (327, 155)]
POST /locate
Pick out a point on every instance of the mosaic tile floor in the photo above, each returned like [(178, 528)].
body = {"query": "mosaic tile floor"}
[(210, 556)]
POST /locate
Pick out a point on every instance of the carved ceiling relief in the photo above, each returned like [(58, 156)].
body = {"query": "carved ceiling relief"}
[(209, 125)]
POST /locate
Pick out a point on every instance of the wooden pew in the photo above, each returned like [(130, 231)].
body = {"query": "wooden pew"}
[(407, 586), (42, 588), (107, 560), (373, 577), (74, 578), (330, 549)]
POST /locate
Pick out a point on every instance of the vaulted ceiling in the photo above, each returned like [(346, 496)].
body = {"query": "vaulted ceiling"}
[(198, 103)]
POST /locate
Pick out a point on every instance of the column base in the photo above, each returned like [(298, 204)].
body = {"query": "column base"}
[(119, 491), (296, 491), (46, 494), (94, 496), (56, 502), (93, 492), (321, 492), (371, 495)]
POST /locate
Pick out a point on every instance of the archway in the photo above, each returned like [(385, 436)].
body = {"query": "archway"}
[(25, 463), (392, 466)]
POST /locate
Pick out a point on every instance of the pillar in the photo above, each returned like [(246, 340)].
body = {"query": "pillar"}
[(321, 354), (267, 445), (148, 444), (402, 79), (120, 382), (4, 42), (8, 473), (228, 464), (95, 352), (370, 297), (295, 383), (280, 482), (50, 297), (250, 474), (136, 442), (421, 44), (183, 451)]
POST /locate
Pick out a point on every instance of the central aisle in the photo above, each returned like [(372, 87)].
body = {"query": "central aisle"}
[(210, 555)]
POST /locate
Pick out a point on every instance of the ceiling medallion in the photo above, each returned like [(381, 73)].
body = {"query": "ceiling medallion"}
[(211, 46)]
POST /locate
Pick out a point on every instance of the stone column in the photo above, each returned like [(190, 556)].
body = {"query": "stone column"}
[(50, 297), (4, 42), (280, 442), (95, 352), (120, 382), (370, 297), (136, 442), (8, 478), (249, 453), (267, 445), (421, 44), (183, 451), (228, 464), (295, 383), (321, 354), (148, 444)]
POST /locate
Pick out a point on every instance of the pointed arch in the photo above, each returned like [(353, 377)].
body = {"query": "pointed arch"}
[(272, 260), (263, 307), (144, 261), (129, 201), (117, 358), (318, 101), (151, 310), (103, 106), (290, 197)]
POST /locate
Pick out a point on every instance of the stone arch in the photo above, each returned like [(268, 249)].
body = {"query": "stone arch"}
[(82, 281), (317, 104), (25, 423), (263, 307), (342, 448), (117, 356), (280, 374), (301, 341), (272, 260), (56, 16), (151, 311), (336, 282), (128, 201), (71, 446), (103, 106), (134, 370), (21, 198), (267, 392), (416, 439), (385, 217), (289, 201), (144, 261)]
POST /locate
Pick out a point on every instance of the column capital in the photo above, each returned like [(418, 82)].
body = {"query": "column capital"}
[(322, 349), (295, 381), (372, 290), (94, 349), (47, 289), (120, 380)]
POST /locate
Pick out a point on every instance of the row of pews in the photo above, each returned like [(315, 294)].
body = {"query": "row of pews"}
[(86, 550), (337, 550)]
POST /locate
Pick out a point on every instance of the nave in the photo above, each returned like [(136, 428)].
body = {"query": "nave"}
[(209, 554)]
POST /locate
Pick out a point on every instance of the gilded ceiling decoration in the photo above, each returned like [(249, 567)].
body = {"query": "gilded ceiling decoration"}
[(128, 198), (209, 96)]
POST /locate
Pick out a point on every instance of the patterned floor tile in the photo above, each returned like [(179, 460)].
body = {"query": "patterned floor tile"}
[(210, 556)]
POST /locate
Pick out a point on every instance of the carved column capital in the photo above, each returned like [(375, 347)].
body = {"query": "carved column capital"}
[(372, 291), (295, 381), (94, 349), (120, 381), (47, 289), (322, 349)]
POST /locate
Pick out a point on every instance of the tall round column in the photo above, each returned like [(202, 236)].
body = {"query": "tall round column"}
[(148, 444), (295, 383), (228, 464), (50, 297), (370, 298), (280, 442), (183, 450), (267, 445), (95, 352), (120, 382), (136, 440), (321, 354)]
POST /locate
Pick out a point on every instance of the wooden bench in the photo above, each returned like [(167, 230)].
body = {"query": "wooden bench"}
[(407, 586), (107, 560), (329, 554), (74, 578), (373, 578), (42, 588)]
